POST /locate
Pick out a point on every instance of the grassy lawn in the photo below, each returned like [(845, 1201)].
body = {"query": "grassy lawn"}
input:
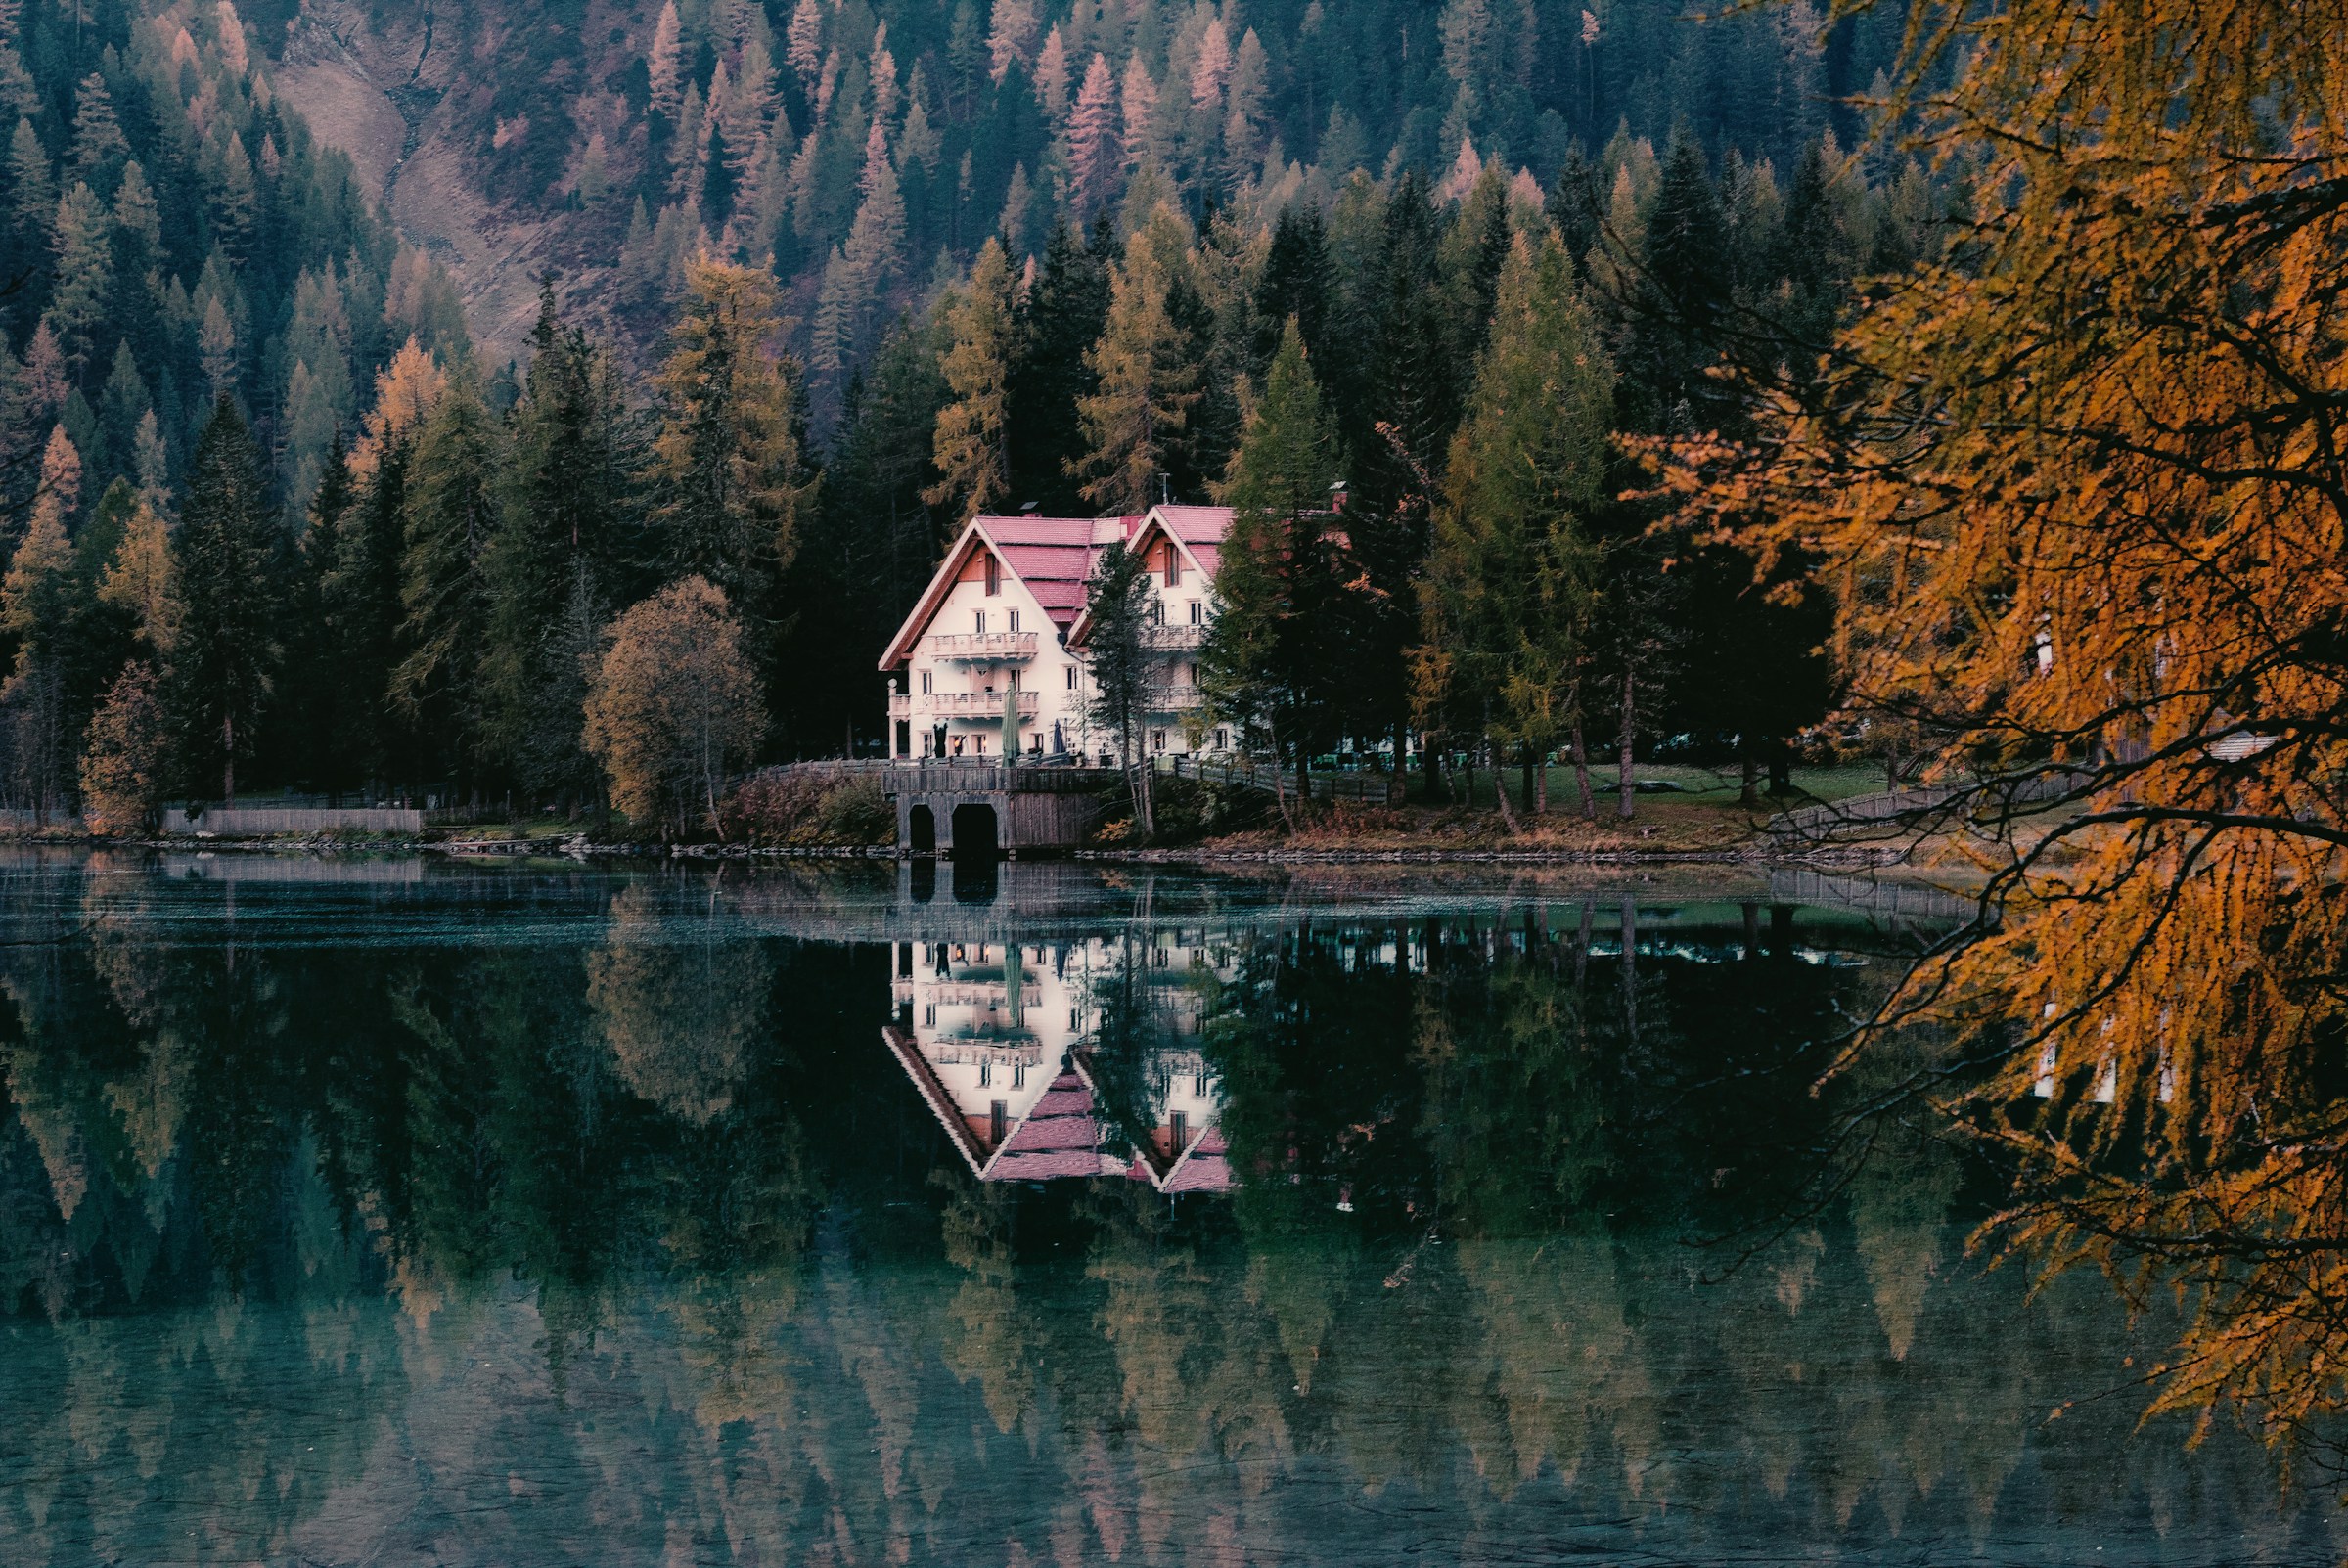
[(1708, 789)]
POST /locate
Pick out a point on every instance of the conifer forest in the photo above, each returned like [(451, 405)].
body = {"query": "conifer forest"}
[(832, 278)]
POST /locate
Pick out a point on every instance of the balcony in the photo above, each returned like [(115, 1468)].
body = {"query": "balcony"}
[(1173, 637), (982, 644), (976, 704), (900, 705), (1174, 699)]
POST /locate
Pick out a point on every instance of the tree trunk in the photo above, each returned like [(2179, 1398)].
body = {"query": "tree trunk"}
[(1500, 787), (1748, 794), (1530, 809), (1280, 789), (1540, 806), (1580, 774), (228, 761), (1780, 770), (1623, 803)]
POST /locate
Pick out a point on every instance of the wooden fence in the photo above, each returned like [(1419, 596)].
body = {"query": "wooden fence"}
[(1895, 810), (1375, 788)]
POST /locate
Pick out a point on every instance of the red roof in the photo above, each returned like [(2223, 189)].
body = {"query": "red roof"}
[(1054, 557)]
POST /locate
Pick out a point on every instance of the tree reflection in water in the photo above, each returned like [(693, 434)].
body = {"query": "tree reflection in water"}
[(572, 1216)]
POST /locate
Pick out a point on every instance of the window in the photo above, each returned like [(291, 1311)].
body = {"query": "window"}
[(1019, 1075), (978, 622), (1157, 740), (1197, 613), (1173, 565), (978, 742), (924, 683), (1071, 677), (930, 1014), (1222, 739), (1015, 680), (1014, 620), (1157, 613), (1035, 743), (994, 576), (998, 1121), (986, 1074), (1179, 1125)]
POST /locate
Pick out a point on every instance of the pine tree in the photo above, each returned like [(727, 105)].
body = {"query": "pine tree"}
[(1144, 378), (1281, 648), (1125, 665), (664, 63), (972, 442), (1512, 569), (724, 475), (224, 657)]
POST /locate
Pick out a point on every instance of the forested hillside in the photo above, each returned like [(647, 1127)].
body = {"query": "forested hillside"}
[(867, 146), (838, 279)]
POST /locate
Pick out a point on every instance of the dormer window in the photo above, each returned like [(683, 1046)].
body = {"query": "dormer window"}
[(994, 576)]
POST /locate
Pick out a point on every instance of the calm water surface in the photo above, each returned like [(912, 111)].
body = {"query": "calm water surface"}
[(390, 1213)]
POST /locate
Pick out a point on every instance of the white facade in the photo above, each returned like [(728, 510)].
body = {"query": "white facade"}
[(1003, 622)]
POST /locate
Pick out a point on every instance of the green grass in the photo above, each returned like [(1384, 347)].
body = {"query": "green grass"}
[(1698, 786)]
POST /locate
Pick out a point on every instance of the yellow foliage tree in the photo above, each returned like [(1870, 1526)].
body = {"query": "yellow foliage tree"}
[(125, 766), (2081, 483), (970, 444), (674, 706)]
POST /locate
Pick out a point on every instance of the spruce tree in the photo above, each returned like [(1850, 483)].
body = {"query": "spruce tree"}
[(1059, 320), (563, 540), (224, 658), (450, 514), (1283, 647), (1512, 569)]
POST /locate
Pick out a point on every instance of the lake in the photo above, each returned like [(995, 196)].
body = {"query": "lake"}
[(404, 1212)]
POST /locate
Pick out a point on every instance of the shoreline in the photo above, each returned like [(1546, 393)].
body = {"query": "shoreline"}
[(1205, 855)]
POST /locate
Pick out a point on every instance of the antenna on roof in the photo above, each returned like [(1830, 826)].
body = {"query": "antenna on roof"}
[(1026, 509)]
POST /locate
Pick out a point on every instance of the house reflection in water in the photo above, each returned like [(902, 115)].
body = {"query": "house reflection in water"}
[(1000, 1040)]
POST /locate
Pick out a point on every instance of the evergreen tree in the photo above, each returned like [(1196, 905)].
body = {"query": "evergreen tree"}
[(1505, 603), (972, 445), (451, 513), (1061, 319), (563, 548), (1124, 665), (40, 612), (224, 656), (1281, 647)]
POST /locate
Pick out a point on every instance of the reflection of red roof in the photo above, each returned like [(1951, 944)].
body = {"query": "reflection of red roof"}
[(1060, 1136)]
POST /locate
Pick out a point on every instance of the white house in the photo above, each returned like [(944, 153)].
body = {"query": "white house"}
[(1003, 621)]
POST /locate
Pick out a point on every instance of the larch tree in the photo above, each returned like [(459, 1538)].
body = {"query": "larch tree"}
[(2113, 607), (224, 657), (38, 611), (1144, 379), (125, 766), (1505, 605), (725, 472), (1096, 145), (972, 445), (674, 706)]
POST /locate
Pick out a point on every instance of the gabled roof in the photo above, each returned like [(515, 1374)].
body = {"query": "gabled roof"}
[(1197, 531), (1053, 557)]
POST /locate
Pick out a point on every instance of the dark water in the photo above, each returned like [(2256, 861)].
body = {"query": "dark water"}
[(383, 1213)]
